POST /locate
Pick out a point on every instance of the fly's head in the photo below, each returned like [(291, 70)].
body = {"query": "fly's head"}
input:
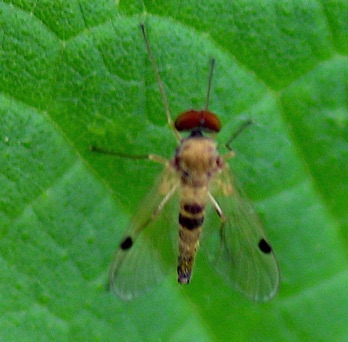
[(197, 121), (197, 158)]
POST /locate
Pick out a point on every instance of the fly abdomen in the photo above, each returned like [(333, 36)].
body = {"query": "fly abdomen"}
[(191, 218), (190, 223)]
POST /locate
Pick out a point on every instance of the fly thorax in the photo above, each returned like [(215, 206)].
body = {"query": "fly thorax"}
[(197, 160)]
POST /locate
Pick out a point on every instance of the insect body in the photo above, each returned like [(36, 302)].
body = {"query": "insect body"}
[(196, 184), (197, 161)]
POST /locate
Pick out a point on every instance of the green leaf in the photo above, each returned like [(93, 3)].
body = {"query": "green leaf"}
[(75, 74)]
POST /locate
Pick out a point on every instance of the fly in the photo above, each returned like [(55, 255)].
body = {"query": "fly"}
[(199, 187)]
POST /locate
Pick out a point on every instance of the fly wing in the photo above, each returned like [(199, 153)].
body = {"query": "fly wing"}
[(146, 252), (242, 253)]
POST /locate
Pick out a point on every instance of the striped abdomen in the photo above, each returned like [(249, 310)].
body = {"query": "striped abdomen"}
[(191, 218), (196, 161)]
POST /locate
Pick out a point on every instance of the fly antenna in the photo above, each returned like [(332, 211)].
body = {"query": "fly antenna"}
[(210, 80), (160, 83)]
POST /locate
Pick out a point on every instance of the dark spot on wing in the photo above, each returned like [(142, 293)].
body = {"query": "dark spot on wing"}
[(265, 247), (126, 243)]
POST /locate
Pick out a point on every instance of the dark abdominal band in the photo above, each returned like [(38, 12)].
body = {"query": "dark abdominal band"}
[(193, 208), (190, 223)]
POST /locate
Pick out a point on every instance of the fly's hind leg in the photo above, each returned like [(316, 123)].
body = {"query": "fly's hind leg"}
[(216, 207), (223, 220), (153, 157)]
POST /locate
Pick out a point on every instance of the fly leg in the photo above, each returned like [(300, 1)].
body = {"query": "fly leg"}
[(223, 221), (153, 157), (160, 85), (97, 149), (237, 133)]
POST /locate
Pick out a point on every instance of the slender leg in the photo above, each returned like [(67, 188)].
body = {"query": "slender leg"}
[(153, 157), (237, 133), (118, 154), (216, 206), (160, 85), (223, 220)]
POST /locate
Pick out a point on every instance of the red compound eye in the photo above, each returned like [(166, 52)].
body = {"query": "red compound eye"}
[(198, 120)]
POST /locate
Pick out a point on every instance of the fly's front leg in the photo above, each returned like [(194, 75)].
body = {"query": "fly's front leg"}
[(237, 133), (229, 155)]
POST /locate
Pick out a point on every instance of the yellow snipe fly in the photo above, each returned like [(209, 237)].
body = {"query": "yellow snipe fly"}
[(197, 194)]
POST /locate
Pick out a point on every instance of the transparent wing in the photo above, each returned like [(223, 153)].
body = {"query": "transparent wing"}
[(242, 253), (146, 252)]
